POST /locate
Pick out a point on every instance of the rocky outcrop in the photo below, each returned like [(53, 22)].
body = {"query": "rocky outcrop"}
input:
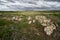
[(49, 26)]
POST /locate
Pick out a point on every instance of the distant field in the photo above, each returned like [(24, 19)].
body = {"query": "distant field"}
[(30, 12), (28, 25)]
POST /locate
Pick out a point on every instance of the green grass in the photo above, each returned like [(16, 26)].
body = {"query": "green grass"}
[(10, 30)]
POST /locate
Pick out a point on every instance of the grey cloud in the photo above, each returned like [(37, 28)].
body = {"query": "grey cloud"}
[(29, 5), (11, 1), (53, 0)]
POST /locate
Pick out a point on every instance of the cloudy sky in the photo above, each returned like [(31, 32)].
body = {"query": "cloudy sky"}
[(18, 5)]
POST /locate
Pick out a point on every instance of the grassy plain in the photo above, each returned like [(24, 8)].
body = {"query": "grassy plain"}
[(21, 30)]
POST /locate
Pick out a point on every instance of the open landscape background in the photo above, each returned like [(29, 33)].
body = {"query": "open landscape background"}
[(14, 29)]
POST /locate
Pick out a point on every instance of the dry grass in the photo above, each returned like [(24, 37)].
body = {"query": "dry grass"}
[(21, 30)]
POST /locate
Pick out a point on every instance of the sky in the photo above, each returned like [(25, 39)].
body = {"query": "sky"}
[(19, 5)]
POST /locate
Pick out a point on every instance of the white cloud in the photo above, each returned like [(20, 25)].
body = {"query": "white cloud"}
[(29, 3)]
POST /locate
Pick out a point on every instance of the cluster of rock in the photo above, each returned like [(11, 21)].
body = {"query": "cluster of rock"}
[(49, 27), (14, 18), (30, 20), (17, 18)]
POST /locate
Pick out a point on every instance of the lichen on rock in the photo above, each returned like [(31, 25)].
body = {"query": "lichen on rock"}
[(47, 22)]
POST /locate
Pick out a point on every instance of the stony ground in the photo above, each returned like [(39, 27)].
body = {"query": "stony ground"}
[(30, 26)]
